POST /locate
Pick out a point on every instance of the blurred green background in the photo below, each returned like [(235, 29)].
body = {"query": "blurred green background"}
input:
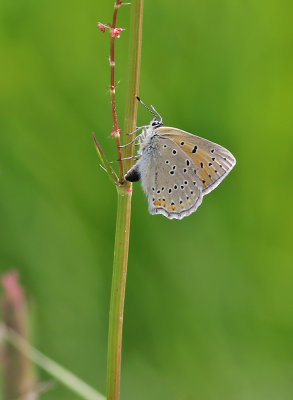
[(209, 300)]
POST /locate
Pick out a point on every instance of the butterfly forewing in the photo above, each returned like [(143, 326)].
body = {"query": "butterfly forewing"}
[(213, 161), (171, 182)]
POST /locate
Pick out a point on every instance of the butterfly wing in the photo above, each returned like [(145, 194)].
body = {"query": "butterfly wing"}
[(213, 161), (169, 179)]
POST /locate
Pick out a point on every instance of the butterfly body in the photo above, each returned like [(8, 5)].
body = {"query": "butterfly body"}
[(177, 169)]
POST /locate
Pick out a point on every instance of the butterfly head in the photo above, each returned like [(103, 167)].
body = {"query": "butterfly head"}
[(156, 122)]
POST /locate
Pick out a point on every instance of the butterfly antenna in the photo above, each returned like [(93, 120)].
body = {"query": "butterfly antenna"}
[(152, 110), (158, 115)]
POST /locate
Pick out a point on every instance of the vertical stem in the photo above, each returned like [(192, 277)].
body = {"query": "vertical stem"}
[(118, 293), (123, 217)]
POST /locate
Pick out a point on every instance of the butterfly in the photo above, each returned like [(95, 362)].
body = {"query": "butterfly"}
[(177, 168)]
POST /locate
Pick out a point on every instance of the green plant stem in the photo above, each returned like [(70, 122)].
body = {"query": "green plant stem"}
[(124, 192), (118, 293)]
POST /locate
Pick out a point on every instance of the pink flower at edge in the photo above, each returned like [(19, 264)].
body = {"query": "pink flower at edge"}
[(101, 27), (116, 32), (11, 285)]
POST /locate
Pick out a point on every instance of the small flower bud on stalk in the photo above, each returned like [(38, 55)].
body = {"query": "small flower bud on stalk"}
[(116, 32)]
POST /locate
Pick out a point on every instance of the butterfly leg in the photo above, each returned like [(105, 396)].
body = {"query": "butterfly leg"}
[(125, 158), (132, 141), (139, 128), (129, 158)]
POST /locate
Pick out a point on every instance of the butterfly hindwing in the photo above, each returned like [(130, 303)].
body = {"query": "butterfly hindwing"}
[(170, 179)]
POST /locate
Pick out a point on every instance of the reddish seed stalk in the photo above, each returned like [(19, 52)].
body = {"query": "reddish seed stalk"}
[(116, 130)]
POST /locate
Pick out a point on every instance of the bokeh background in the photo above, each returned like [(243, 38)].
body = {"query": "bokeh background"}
[(209, 301)]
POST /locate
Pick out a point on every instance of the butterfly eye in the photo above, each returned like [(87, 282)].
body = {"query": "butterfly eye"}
[(155, 122)]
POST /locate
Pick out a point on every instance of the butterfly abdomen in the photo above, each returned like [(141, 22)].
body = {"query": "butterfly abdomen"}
[(133, 175)]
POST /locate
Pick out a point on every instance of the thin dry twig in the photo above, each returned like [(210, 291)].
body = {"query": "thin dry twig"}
[(61, 374)]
